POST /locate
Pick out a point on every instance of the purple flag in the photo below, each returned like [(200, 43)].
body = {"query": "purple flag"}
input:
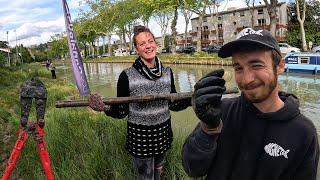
[(77, 65)]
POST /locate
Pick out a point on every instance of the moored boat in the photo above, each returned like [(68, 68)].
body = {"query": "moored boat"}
[(303, 62)]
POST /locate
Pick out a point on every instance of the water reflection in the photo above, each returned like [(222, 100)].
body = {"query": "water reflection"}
[(307, 88), (185, 75), (103, 77)]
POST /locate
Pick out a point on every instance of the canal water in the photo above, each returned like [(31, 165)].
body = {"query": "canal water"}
[(103, 78)]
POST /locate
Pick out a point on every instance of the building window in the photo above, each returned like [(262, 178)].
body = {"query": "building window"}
[(261, 22), (304, 60), (205, 28), (219, 18), (234, 23), (235, 33), (260, 11), (234, 14), (204, 19), (241, 13), (197, 28), (220, 26), (220, 36), (204, 37)]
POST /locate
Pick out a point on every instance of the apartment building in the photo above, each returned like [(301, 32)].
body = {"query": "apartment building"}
[(222, 27)]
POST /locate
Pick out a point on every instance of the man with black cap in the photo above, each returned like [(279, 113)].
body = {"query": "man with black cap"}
[(259, 135)]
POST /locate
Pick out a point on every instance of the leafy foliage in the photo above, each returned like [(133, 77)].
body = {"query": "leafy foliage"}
[(312, 24)]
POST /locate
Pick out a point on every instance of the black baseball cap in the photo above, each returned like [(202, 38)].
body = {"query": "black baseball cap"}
[(249, 36)]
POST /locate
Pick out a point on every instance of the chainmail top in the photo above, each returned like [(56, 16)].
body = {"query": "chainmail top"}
[(149, 127), (148, 113)]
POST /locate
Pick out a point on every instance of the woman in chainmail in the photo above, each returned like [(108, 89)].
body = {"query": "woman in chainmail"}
[(149, 133)]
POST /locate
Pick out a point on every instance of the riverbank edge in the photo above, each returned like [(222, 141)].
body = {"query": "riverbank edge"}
[(168, 59)]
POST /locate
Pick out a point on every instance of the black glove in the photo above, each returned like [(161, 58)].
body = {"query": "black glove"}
[(206, 100)]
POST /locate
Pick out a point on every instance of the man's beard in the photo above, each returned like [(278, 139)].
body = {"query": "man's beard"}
[(268, 89)]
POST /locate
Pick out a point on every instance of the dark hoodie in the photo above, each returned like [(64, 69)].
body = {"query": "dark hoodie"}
[(254, 145)]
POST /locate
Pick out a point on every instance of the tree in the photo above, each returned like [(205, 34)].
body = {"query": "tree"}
[(187, 16), (251, 5), (4, 44), (162, 17), (301, 19), (57, 46), (312, 33), (272, 11), (146, 8), (26, 56), (2, 59), (199, 8)]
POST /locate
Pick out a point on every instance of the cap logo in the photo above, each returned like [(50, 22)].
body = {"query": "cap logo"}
[(249, 31)]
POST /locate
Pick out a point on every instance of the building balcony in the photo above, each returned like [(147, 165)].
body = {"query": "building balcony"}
[(262, 27), (278, 26), (239, 29), (280, 38), (214, 31), (205, 41), (205, 32), (218, 42), (194, 33), (182, 41)]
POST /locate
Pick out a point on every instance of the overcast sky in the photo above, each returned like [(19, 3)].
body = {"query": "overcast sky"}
[(35, 21)]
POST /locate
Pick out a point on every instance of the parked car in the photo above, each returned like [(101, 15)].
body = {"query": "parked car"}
[(133, 52), (213, 48), (189, 49), (179, 49), (105, 55), (166, 50), (316, 49), (285, 48), (204, 49)]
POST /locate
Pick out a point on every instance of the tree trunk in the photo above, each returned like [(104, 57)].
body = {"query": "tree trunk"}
[(301, 23), (185, 34), (89, 49), (109, 45), (93, 48), (124, 40), (104, 45), (98, 47), (303, 36), (199, 32), (85, 50), (272, 7), (174, 30), (273, 23)]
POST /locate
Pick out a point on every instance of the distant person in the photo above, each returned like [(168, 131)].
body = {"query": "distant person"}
[(52, 68), (260, 135), (47, 64), (149, 133)]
